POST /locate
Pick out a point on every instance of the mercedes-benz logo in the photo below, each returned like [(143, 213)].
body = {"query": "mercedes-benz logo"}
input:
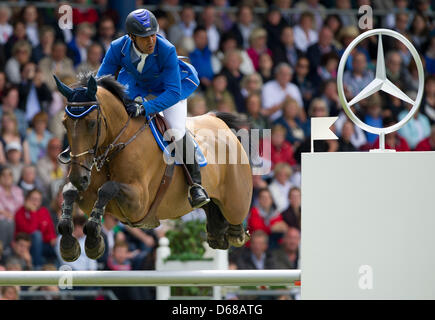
[(380, 83)]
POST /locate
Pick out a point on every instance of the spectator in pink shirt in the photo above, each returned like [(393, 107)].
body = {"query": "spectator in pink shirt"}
[(11, 199)]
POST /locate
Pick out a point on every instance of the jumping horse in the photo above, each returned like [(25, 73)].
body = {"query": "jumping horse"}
[(116, 164)]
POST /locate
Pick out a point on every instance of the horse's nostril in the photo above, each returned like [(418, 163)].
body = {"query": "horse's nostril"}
[(85, 180)]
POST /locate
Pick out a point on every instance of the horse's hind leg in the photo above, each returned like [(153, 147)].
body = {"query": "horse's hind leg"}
[(69, 246), (217, 227), (236, 235), (94, 244)]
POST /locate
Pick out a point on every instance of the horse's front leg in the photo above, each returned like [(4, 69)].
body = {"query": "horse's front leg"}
[(69, 246), (94, 244)]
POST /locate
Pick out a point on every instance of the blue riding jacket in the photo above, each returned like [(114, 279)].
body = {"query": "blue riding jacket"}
[(163, 75)]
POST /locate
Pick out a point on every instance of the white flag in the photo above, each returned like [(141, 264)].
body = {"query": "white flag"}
[(320, 129)]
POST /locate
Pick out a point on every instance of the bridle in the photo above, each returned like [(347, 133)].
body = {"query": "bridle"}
[(110, 151)]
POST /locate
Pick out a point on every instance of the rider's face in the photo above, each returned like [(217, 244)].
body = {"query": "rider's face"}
[(146, 44)]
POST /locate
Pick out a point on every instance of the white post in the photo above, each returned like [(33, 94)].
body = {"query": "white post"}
[(163, 251)]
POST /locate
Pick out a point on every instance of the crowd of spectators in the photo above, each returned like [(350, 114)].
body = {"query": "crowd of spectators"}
[(276, 69)]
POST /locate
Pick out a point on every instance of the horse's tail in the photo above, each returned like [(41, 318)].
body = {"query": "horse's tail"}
[(237, 122)]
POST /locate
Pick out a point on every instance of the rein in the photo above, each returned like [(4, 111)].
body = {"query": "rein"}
[(107, 155)]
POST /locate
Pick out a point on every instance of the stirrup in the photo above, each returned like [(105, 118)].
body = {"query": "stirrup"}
[(190, 199)]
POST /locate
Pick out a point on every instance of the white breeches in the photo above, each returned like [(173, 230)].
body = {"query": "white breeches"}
[(176, 118)]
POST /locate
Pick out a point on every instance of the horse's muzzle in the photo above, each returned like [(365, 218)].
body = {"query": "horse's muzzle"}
[(80, 182)]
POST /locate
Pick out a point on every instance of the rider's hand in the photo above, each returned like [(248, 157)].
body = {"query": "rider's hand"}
[(135, 109)]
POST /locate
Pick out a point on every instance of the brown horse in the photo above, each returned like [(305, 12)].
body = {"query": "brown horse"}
[(127, 184)]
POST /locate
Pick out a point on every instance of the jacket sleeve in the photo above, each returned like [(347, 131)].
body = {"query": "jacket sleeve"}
[(172, 85), (111, 62)]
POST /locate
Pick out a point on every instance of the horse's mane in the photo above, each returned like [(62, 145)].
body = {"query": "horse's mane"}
[(108, 82)]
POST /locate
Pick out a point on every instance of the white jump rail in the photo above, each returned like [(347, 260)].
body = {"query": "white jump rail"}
[(152, 278)]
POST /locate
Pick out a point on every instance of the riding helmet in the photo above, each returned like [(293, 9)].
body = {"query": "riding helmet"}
[(142, 23)]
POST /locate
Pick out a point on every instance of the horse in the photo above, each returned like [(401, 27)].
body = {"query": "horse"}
[(125, 180)]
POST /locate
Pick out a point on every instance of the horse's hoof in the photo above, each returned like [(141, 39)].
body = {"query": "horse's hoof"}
[(94, 247), (217, 242), (69, 248), (238, 240), (65, 227)]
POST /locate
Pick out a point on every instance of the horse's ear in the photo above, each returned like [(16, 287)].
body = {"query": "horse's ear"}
[(63, 88), (92, 87)]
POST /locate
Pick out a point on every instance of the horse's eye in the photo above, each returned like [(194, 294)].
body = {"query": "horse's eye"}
[(91, 124)]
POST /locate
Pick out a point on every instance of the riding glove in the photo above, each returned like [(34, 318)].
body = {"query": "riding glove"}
[(135, 109)]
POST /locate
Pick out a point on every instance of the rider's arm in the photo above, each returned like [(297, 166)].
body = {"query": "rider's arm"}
[(111, 62), (172, 85)]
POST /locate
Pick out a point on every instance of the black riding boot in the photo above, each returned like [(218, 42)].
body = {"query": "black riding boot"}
[(198, 195)]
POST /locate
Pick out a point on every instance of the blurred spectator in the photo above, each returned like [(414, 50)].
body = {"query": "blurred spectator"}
[(284, 6), (57, 63), (429, 56), (201, 57), (162, 20), (49, 170), (229, 43), (20, 255), (281, 150), (208, 19), (292, 214), (394, 69), (324, 46), (393, 140), (330, 96), (416, 129), (104, 9), (344, 142), (419, 30), (232, 61), (28, 180), (80, 43), (265, 65), (258, 46), (218, 92), (357, 79), (196, 106), (372, 114), (18, 34), (21, 52), (400, 6), (35, 96), (47, 36), (304, 34), (82, 14), (35, 220), (427, 144), (307, 83), (9, 133), (285, 50), (291, 121), (317, 9), (56, 208), (346, 19), (118, 260), (224, 19), (109, 223), (11, 198), (255, 117), (14, 159), (5, 28), (275, 91), (264, 215), (251, 84), (10, 293), (83, 263), (184, 28), (3, 84), (281, 185), (106, 33), (428, 104), (258, 256), (274, 25), (287, 255), (243, 26), (94, 57), (38, 137), (333, 22), (30, 17)]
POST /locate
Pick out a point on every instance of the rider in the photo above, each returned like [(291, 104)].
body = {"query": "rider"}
[(156, 80)]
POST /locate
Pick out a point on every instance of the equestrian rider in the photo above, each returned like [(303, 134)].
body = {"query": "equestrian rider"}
[(156, 81)]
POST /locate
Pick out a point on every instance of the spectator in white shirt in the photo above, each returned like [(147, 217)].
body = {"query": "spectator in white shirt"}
[(185, 28), (30, 17), (275, 91), (304, 33), (5, 28), (281, 185), (209, 20)]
